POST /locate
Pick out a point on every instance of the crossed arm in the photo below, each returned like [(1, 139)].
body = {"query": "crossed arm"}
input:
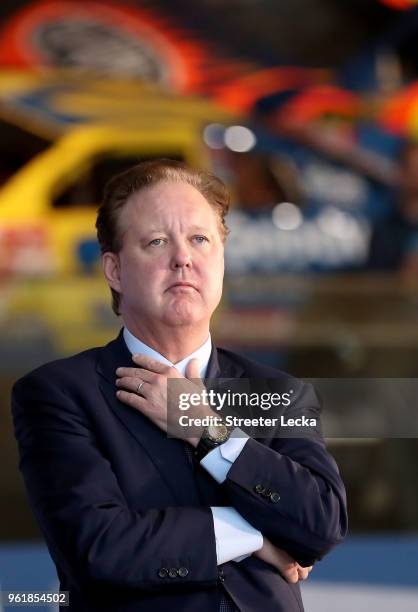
[(153, 403), (95, 536)]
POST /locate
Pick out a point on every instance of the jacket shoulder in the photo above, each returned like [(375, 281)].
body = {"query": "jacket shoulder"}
[(66, 368), (252, 368)]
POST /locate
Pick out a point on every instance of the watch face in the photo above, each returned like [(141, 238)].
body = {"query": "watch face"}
[(218, 433)]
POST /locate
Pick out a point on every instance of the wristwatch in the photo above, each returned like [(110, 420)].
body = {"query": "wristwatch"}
[(212, 436)]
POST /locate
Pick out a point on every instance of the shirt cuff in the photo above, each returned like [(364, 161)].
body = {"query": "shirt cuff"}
[(235, 537), (219, 461)]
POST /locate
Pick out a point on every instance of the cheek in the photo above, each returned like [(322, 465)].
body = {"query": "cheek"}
[(214, 273), (149, 269)]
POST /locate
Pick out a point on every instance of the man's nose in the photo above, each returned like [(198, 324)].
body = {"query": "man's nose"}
[(181, 257)]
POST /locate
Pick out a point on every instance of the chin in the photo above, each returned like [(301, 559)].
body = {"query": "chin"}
[(184, 314)]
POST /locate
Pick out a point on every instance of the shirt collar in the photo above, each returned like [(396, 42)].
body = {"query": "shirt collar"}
[(203, 353)]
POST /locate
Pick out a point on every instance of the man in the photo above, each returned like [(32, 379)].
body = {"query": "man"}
[(137, 520)]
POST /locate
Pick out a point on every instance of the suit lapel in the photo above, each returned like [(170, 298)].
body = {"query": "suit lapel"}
[(221, 366), (225, 374), (167, 454)]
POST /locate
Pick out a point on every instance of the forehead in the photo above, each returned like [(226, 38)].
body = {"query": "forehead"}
[(169, 201)]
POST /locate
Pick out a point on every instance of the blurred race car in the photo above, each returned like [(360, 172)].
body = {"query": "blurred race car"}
[(63, 137)]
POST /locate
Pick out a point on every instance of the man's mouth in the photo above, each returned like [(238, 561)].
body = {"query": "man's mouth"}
[(183, 286)]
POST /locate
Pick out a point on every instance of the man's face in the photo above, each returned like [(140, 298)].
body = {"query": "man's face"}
[(170, 268)]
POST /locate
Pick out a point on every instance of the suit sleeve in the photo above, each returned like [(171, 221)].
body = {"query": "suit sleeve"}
[(91, 532), (290, 489)]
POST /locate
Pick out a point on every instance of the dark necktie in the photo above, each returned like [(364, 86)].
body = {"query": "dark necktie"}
[(225, 604)]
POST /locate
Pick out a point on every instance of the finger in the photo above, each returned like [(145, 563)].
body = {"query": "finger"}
[(291, 575), (286, 565), (284, 558), (192, 369), (136, 373), (151, 364), (132, 399), (302, 572), (133, 384)]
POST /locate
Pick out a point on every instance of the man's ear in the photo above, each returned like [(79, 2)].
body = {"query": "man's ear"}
[(111, 270)]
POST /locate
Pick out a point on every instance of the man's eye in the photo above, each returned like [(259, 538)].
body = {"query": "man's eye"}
[(200, 239), (156, 242)]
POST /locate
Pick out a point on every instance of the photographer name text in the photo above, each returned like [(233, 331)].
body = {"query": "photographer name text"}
[(235, 421)]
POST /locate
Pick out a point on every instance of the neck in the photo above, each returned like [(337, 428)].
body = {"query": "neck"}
[(174, 343)]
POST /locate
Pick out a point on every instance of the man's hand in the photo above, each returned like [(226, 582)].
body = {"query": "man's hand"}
[(150, 397), (289, 568)]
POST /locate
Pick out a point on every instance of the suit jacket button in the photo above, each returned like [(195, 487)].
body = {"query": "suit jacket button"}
[(267, 492), (183, 571), (163, 572), (274, 497), (221, 575), (259, 488), (173, 572)]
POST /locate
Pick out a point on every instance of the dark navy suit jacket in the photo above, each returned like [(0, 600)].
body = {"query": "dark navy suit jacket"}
[(119, 503)]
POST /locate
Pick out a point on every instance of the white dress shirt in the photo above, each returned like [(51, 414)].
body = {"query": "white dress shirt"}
[(235, 537)]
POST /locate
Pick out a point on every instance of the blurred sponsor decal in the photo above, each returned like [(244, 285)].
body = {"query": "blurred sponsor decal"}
[(24, 249), (101, 37), (242, 92), (105, 38), (332, 240)]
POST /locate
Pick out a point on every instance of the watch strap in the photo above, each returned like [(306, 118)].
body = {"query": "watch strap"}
[(205, 445)]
